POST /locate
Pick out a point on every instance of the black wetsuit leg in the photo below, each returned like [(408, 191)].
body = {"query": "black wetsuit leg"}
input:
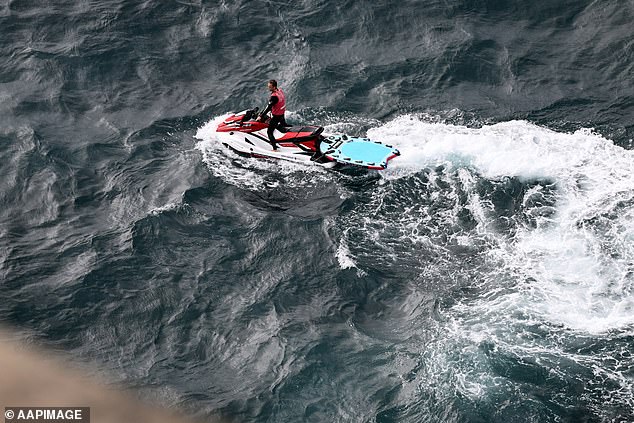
[(283, 126), (276, 122)]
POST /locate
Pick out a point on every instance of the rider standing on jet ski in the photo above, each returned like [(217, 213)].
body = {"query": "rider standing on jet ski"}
[(277, 107)]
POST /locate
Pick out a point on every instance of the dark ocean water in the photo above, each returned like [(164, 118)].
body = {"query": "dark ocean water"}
[(487, 276)]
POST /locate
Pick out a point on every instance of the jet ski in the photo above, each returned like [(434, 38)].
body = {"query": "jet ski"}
[(246, 135)]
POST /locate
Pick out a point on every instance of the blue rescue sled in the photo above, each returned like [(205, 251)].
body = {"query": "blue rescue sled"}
[(358, 151)]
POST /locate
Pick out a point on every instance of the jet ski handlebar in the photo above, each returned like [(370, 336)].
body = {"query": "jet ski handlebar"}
[(251, 114)]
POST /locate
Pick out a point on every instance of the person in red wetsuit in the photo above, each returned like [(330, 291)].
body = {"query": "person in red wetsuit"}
[(277, 107)]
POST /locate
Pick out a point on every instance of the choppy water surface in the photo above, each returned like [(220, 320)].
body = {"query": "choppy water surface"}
[(487, 275)]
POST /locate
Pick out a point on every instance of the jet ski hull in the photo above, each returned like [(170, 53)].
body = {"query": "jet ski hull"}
[(247, 136), (256, 144)]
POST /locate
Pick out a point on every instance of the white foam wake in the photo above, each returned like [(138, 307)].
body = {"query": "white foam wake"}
[(553, 285), (582, 276)]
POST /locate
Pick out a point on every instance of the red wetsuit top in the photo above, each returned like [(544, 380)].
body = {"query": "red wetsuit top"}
[(279, 106)]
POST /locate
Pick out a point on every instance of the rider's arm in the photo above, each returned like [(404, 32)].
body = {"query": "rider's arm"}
[(272, 101)]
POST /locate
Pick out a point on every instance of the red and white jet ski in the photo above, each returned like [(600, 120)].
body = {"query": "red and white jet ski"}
[(245, 135)]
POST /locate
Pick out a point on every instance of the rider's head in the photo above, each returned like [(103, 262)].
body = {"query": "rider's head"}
[(272, 85)]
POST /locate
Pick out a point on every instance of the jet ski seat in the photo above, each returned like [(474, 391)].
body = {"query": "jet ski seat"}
[(301, 133)]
